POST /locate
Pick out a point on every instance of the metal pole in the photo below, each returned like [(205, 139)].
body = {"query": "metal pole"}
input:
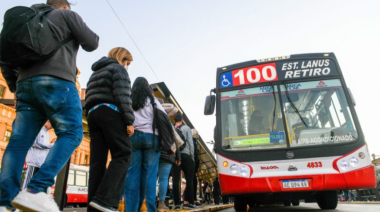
[(60, 186)]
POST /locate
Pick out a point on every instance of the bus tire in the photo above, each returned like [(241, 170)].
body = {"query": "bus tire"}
[(295, 202), (286, 202), (327, 200), (240, 203)]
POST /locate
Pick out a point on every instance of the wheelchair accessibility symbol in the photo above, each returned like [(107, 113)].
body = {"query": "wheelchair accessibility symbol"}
[(225, 82)]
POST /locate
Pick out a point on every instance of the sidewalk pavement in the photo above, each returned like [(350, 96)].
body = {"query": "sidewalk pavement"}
[(205, 208), (360, 202)]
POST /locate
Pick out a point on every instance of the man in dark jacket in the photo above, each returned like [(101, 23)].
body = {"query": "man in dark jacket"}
[(216, 191), (45, 91)]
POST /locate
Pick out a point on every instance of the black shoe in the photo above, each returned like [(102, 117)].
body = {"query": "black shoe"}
[(101, 207), (198, 204), (177, 208), (190, 207)]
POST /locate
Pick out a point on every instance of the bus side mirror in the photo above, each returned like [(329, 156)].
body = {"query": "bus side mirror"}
[(352, 97), (209, 105)]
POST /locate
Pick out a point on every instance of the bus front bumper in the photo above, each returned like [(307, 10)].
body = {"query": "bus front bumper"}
[(360, 178)]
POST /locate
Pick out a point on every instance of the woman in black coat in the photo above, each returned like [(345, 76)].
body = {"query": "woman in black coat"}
[(110, 118)]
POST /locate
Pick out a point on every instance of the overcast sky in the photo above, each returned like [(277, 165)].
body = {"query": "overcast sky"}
[(185, 41)]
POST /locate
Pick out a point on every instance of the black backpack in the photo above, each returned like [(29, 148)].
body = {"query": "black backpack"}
[(162, 122), (179, 132), (27, 36)]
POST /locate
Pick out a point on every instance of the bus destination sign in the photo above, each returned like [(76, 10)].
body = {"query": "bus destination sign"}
[(284, 70)]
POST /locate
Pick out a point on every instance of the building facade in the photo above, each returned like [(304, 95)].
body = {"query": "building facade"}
[(81, 156)]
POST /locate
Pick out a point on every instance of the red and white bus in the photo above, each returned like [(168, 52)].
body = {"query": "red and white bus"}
[(287, 130), (77, 186)]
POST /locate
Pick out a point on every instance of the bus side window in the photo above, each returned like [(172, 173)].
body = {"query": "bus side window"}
[(81, 179), (70, 180)]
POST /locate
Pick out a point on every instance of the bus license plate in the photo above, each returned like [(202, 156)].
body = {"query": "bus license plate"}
[(295, 184)]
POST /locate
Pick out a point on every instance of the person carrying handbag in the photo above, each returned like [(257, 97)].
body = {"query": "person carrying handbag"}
[(141, 179)]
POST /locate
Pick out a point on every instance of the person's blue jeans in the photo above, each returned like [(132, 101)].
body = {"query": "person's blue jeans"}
[(163, 176), (141, 179), (40, 99)]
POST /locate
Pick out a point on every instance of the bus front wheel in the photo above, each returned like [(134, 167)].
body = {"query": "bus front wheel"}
[(327, 200), (240, 203)]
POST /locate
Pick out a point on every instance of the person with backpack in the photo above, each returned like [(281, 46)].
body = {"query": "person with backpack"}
[(187, 166), (110, 121), (142, 173), (167, 161), (45, 90)]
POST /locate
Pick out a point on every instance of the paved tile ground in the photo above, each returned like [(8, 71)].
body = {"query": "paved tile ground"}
[(205, 208)]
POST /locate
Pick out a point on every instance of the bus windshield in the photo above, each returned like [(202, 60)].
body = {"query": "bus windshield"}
[(315, 113)]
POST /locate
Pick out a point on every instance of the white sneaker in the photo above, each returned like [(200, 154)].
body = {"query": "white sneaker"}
[(40, 202), (4, 209)]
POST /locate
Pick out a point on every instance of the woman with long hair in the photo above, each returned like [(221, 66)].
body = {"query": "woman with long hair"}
[(142, 172), (110, 121)]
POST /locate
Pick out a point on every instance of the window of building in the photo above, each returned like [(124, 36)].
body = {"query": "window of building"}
[(4, 112), (2, 91), (86, 159), (9, 114), (7, 135)]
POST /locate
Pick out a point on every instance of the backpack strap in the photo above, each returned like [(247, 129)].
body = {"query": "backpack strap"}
[(154, 122), (63, 42)]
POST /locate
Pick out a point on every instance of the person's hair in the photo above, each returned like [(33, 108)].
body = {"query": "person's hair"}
[(120, 54), (178, 117), (58, 3), (140, 91)]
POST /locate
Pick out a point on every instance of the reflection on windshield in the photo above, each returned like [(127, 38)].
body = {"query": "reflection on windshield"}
[(314, 112), (251, 119), (320, 114)]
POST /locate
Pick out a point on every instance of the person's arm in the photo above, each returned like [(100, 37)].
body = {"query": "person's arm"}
[(80, 31), (121, 91), (10, 75)]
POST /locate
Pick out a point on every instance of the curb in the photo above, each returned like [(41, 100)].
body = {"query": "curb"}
[(216, 208), (357, 202)]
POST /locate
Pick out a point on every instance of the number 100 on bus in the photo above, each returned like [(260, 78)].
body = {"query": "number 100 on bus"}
[(255, 74)]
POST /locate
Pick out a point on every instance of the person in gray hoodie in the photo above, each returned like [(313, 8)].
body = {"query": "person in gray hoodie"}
[(187, 166), (45, 91)]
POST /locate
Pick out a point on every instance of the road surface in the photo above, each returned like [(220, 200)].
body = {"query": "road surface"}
[(310, 207)]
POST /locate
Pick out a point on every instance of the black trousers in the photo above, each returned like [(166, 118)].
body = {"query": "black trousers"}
[(195, 180), (187, 166), (108, 133), (216, 198)]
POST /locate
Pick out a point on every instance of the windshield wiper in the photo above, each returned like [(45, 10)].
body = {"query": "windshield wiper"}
[(275, 105), (293, 106)]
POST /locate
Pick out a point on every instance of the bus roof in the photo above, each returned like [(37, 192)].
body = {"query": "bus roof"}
[(277, 59)]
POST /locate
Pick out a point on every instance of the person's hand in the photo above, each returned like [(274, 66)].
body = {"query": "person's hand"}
[(178, 162), (130, 130)]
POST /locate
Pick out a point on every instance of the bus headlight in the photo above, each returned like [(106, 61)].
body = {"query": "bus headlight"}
[(234, 168), (344, 165), (244, 171), (354, 161)]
